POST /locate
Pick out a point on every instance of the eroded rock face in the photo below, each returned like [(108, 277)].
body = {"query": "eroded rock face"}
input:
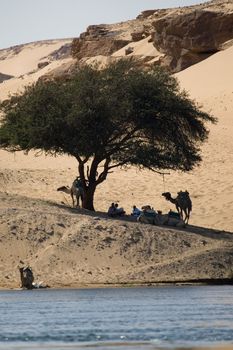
[(82, 48), (175, 38), (192, 36), (183, 36), (97, 40)]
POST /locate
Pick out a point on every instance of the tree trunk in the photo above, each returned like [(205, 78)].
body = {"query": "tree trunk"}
[(88, 198), (88, 189)]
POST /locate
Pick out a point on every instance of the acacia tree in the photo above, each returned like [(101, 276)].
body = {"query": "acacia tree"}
[(118, 116)]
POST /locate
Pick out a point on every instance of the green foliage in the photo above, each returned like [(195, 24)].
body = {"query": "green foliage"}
[(121, 115)]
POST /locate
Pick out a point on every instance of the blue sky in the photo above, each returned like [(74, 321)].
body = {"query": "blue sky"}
[(23, 21)]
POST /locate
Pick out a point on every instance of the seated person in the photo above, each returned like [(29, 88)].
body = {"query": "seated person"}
[(174, 214), (136, 212), (148, 210), (112, 210), (119, 211)]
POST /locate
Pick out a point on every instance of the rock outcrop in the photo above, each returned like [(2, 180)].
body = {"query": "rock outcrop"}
[(97, 40), (175, 38), (193, 35), (180, 37)]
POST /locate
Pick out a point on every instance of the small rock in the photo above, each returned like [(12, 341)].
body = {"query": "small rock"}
[(204, 242), (42, 64), (60, 224), (129, 50)]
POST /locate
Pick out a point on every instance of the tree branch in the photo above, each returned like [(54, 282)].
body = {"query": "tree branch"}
[(122, 141), (119, 164), (79, 159), (104, 173), (85, 159), (158, 172)]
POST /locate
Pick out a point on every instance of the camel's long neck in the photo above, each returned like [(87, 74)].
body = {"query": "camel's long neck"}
[(172, 200), (66, 190)]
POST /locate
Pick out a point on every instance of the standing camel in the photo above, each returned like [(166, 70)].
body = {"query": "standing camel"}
[(74, 191), (182, 202)]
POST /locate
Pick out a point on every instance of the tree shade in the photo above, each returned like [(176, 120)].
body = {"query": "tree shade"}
[(117, 116)]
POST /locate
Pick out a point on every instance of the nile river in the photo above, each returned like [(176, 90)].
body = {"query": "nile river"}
[(126, 318)]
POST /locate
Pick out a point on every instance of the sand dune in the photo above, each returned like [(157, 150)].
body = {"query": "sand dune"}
[(22, 63), (22, 59), (140, 49), (210, 78)]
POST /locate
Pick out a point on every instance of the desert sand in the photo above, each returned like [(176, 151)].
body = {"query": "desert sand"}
[(21, 62), (71, 247)]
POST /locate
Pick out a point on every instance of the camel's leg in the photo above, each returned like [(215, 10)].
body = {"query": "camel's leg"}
[(188, 214), (181, 213), (77, 198), (72, 196), (186, 219), (81, 194)]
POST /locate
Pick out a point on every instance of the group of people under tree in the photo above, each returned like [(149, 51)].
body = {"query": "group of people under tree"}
[(114, 210), (182, 202), (180, 217)]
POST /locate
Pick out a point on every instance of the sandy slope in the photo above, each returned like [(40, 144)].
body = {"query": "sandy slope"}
[(23, 59), (70, 247), (67, 247), (22, 63)]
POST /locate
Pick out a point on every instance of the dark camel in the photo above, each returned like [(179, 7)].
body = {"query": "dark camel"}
[(27, 278), (182, 202)]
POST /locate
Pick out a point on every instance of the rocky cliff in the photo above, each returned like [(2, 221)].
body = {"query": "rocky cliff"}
[(176, 38), (189, 35)]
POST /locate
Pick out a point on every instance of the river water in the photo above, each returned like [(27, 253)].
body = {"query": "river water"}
[(127, 318)]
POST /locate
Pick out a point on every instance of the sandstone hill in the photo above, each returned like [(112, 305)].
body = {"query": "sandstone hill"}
[(175, 38)]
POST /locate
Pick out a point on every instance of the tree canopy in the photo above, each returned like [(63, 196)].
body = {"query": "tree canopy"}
[(106, 118)]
